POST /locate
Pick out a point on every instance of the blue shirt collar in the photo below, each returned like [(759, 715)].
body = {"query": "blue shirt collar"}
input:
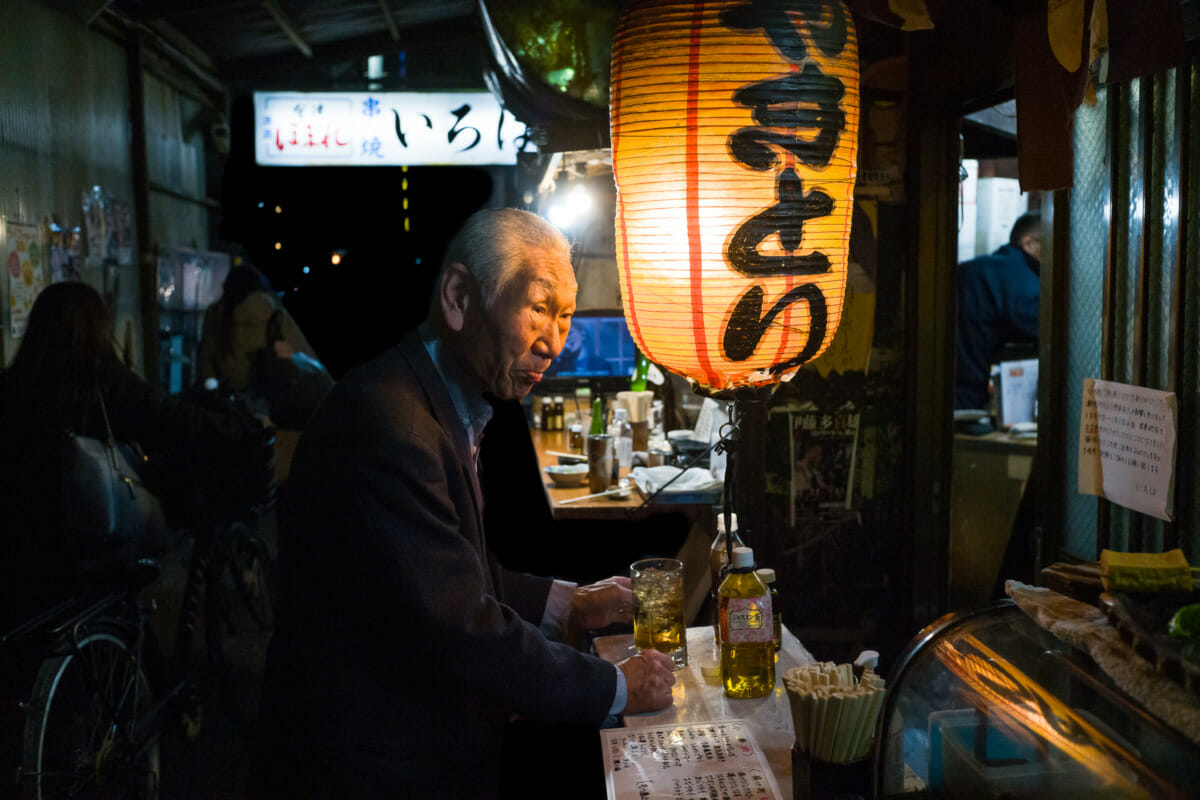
[(472, 408)]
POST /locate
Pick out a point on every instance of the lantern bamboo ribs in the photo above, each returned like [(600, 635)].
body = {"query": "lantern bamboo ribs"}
[(734, 135)]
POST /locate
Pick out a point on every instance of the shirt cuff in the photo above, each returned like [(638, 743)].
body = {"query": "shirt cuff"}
[(558, 610), (622, 693)]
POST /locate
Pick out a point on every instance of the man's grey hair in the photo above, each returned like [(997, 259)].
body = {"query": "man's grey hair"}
[(494, 244)]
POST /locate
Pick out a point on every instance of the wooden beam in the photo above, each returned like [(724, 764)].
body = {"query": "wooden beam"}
[(287, 27), (391, 21)]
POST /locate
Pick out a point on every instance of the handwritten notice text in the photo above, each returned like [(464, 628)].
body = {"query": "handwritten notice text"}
[(1127, 446)]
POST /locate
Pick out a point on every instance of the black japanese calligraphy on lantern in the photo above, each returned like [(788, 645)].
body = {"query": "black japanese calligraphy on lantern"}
[(798, 114), (808, 101), (786, 218), (828, 23), (747, 323)]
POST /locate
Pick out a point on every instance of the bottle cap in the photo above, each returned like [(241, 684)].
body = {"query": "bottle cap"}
[(743, 557), (558, 398), (767, 574), (621, 413), (721, 522), (867, 659)]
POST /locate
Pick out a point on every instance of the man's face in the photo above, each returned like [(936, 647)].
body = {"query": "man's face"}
[(1031, 243), (511, 344)]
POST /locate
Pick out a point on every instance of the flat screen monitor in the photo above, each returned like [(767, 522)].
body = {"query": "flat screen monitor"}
[(599, 352)]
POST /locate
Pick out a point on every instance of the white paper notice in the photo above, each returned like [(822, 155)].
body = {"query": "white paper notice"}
[(697, 761), (1018, 390), (1127, 446)]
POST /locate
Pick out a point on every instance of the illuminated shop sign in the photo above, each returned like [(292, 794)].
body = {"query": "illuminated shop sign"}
[(385, 128)]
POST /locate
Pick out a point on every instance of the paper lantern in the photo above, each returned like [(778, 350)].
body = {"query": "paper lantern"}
[(734, 134)]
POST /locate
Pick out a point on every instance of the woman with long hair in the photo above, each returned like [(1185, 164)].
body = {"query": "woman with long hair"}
[(64, 366)]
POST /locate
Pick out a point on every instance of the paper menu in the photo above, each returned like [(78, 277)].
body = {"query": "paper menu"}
[(685, 762)]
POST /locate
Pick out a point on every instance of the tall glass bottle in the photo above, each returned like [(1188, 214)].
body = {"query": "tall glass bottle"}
[(597, 416), (622, 433), (747, 654), (718, 565), (638, 382)]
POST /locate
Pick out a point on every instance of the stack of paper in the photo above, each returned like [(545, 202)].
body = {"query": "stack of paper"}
[(833, 714)]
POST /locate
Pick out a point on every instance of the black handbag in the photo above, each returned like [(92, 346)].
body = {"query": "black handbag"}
[(106, 503)]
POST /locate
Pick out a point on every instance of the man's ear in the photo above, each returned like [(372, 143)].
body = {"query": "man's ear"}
[(455, 295)]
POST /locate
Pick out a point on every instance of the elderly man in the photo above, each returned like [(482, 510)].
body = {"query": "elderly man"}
[(997, 304), (401, 647)]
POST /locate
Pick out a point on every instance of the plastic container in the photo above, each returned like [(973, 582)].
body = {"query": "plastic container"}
[(747, 654), (622, 433)]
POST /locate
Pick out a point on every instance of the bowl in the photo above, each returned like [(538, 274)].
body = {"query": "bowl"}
[(565, 459), (568, 476)]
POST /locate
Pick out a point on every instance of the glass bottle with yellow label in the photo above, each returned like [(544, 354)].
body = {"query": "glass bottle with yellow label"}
[(718, 566), (747, 650)]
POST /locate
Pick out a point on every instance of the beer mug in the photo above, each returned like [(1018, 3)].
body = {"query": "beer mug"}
[(658, 609)]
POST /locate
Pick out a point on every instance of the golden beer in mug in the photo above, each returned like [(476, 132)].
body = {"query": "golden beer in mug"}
[(658, 608)]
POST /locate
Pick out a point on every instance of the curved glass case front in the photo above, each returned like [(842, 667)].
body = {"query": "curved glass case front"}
[(987, 704)]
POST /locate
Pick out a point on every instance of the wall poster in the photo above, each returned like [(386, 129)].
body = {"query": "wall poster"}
[(26, 272)]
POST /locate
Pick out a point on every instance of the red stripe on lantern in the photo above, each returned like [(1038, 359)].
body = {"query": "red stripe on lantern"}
[(691, 150)]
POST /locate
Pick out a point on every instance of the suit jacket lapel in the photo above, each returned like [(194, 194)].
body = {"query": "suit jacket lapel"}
[(443, 410)]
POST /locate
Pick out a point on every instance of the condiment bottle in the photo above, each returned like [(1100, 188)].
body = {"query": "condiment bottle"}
[(747, 655), (558, 413), (718, 565), (622, 440), (767, 575)]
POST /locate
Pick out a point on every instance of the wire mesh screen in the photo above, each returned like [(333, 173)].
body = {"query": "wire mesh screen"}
[(1088, 248), (1134, 232)]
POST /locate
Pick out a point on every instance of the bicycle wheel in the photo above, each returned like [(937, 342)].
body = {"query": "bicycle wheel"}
[(84, 736), (239, 615), (240, 591)]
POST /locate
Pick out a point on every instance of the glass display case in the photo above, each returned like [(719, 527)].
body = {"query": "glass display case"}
[(986, 704)]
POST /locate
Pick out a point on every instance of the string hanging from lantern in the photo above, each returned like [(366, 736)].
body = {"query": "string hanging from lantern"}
[(734, 130)]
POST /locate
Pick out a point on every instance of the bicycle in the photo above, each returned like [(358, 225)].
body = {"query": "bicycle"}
[(91, 717), (101, 697)]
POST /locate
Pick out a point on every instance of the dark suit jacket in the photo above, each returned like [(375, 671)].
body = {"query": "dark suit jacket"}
[(401, 647)]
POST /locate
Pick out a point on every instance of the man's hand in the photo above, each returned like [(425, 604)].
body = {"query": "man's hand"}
[(600, 604), (648, 678)]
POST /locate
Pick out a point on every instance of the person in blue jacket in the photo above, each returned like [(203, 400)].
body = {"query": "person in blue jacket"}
[(997, 304)]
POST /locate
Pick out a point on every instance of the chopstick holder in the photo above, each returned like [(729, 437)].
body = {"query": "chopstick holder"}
[(834, 714)]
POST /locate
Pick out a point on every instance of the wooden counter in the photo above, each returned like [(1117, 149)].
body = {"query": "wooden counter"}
[(595, 508), (989, 479), (701, 699), (695, 549)]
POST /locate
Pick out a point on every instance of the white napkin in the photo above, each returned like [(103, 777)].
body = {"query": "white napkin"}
[(694, 479)]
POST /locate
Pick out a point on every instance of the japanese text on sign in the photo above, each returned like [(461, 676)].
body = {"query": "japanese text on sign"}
[(1127, 446), (386, 129)]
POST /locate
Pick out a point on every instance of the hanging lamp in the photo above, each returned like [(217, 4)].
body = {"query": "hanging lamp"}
[(734, 130)]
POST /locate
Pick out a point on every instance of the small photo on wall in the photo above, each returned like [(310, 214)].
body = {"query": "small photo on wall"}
[(823, 449)]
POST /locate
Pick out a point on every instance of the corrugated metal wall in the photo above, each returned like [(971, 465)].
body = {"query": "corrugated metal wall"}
[(1134, 239), (65, 126)]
